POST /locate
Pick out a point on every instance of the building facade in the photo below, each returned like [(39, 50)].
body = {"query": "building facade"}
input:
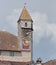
[(17, 50)]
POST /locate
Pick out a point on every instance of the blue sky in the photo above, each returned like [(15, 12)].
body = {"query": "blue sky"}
[(43, 13)]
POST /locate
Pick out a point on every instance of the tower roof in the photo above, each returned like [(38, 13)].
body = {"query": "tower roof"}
[(25, 15)]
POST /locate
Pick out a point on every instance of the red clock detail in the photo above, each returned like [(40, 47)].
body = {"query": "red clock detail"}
[(26, 44)]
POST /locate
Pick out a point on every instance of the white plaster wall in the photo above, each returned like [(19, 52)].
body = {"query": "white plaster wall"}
[(19, 36), (26, 57), (17, 54), (28, 24)]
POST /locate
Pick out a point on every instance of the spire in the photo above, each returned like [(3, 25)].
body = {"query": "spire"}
[(25, 15)]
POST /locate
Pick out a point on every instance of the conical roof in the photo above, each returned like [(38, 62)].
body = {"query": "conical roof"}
[(25, 15)]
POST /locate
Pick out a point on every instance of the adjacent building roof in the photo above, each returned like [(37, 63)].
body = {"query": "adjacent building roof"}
[(8, 41), (13, 63), (51, 62), (25, 15)]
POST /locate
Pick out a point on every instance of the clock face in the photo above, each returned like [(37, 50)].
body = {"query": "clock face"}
[(26, 44)]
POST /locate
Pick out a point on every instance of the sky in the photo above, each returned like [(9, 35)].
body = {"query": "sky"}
[(43, 13)]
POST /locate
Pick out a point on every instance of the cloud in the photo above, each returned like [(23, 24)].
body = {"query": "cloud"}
[(39, 25), (12, 19), (44, 37), (42, 27)]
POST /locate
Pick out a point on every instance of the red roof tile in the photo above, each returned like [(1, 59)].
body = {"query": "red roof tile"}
[(14, 63), (8, 41)]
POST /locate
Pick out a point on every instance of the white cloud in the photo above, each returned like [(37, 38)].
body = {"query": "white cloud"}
[(13, 17), (43, 28), (40, 24), (52, 30)]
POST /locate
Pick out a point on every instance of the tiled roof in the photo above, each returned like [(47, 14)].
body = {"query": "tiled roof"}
[(20, 63), (51, 62), (25, 15), (8, 41), (13, 63), (4, 63)]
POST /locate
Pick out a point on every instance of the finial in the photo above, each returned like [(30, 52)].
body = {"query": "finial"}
[(25, 4)]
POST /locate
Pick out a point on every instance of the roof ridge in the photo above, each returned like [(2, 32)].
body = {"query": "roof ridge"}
[(7, 32)]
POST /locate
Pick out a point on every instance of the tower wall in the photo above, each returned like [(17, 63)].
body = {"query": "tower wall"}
[(25, 35), (26, 55)]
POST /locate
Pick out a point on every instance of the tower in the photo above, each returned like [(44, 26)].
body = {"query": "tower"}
[(25, 31)]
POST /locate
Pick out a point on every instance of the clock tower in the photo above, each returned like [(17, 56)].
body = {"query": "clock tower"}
[(25, 31)]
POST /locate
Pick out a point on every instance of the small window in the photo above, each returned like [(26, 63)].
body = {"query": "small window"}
[(25, 24), (11, 53)]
